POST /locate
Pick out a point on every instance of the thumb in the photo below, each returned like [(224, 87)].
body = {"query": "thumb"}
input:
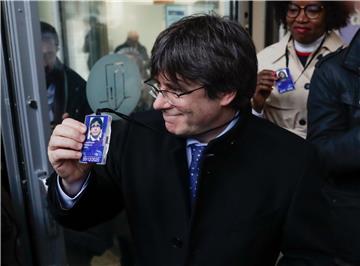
[(65, 115)]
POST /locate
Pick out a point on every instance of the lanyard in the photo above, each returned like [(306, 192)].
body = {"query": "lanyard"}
[(309, 62)]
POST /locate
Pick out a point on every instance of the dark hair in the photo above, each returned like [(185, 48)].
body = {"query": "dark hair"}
[(48, 29), (96, 119), (216, 52), (337, 13)]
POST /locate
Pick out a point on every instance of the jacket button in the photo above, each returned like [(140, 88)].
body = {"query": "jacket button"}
[(176, 242), (307, 86), (302, 122)]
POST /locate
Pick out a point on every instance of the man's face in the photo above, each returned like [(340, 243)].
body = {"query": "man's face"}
[(49, 50), (191, 114), (304, 29), (95, 129)]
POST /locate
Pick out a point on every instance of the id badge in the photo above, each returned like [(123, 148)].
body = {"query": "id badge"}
[(96, 145), (284, 82)]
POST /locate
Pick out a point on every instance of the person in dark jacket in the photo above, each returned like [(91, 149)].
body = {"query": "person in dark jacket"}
[(133, 45), (334, 126), (96, 42), (66, 89), (203, 181)]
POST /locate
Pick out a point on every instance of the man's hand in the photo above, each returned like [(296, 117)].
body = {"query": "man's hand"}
[(264, 86), (64, 151)]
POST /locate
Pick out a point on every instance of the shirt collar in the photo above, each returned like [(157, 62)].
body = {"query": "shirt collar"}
[(332, 43), (308, 48), (232, 123)]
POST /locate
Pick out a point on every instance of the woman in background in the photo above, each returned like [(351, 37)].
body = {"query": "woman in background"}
[(310, 35)]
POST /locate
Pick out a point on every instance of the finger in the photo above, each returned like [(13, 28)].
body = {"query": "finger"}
[(66, 143), (65, 115), (266, 78), (267, 72), (266, 82), (262, 87), (264, 93), (74, 124), (70, 131), (57, 156)]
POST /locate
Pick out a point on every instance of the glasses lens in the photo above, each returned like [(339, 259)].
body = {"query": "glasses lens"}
[(153, 93), (153, 88), (293, 11), (312, 11)]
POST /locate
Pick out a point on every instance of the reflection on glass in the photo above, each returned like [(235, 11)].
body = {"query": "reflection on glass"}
[(96, 41), (136, 50), (65, 88)]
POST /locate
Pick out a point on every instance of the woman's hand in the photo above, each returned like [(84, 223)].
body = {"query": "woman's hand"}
[(264, 86)]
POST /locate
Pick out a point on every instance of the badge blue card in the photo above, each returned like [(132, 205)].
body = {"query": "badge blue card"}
[(97, 141), (284, 82)]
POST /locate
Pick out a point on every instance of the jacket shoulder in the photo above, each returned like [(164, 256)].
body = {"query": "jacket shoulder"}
[(274, 135), (147, 120), (331, 56), (272, 52)]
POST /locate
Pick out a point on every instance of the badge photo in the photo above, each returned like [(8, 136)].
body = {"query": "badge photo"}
[(96, 145), (284, 82)]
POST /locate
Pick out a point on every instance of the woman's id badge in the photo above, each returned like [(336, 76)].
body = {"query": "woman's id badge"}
[(284, 82), (97, 140)]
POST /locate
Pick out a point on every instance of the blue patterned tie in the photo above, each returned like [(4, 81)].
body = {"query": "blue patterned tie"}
[(196, 153)]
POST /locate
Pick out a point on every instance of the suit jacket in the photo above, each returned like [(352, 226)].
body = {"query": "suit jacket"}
[(258, 193)]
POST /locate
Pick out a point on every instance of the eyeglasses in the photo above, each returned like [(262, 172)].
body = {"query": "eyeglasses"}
[(311, 11), (172, 97)]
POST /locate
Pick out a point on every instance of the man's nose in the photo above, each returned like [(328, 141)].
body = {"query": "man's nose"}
[(161, 103)]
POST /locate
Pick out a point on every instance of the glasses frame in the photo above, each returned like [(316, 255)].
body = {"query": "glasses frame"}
[(305, 10), (154, 92)]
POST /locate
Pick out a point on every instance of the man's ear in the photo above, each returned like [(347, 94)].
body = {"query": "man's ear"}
[(227, 97)]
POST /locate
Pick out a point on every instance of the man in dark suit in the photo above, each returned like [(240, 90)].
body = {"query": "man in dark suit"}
[(202, 180)]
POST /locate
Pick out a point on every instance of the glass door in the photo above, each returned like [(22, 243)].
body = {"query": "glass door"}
[(65, 59)]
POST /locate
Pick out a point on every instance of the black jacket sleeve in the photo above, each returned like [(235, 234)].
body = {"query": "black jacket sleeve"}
[(332, 116)]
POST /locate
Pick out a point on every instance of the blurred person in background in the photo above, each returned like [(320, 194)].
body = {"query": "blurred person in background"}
[(132, 45), (96, 42), (138, 53), (310, 35), (348, 32), (66, 89)]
